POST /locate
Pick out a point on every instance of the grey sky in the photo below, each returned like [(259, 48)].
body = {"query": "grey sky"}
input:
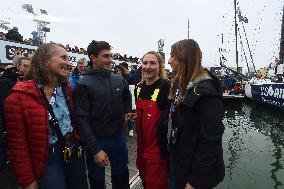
[(134, 27)]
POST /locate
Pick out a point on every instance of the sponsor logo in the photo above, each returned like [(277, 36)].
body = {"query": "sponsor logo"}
[(269, 91), (11, 51)]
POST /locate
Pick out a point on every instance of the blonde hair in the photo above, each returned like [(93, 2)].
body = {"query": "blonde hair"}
[(82, 61), (162, 71)]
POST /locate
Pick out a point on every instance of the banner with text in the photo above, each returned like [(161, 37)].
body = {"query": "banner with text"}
[(9, 49)]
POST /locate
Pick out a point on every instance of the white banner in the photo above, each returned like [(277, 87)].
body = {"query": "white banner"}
[(9, 49)]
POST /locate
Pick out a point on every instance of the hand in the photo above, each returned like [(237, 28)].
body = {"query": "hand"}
[(127, 118), (133, 116), (101, 159), (188, 186), (33, 185)]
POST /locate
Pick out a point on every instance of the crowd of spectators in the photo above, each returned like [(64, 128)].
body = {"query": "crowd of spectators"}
[(75, 49), (14, 35)]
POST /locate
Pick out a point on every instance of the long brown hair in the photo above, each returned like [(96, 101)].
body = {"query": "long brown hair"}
[(189, 56), (38, 69)]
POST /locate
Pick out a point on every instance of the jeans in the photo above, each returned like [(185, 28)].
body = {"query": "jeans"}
[(116, 149), (58, 174)]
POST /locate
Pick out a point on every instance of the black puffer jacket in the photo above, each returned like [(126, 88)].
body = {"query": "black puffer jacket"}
[(101, 101), (197, 151), (7, 81)]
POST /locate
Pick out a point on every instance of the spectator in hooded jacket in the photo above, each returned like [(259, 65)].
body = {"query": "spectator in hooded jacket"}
[(195, 121)]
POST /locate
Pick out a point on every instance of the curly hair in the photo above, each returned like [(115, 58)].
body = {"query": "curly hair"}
[(95, 47)]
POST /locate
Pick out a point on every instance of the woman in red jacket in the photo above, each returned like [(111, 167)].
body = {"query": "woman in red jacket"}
[(40, 123), (152, 100)]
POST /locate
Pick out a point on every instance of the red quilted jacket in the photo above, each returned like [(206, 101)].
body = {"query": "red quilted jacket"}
[(27, 124)]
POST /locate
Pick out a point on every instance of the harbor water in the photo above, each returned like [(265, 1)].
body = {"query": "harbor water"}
[(253, 145)]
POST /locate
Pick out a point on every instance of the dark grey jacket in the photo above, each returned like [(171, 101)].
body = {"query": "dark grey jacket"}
[(101, 101)]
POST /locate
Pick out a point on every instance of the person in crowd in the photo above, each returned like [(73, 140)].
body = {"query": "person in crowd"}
[(76, 49), (125, 66), (36, 40), (229, 83), (195, 121), (68, 48), (10, 76), (2, 36), (78, 72), (8, 79), (41, 127), (137, 76), (120, 70), (14, 35), (151, 104), (131, 75), (22, 65), (82, 50), (103, 106)]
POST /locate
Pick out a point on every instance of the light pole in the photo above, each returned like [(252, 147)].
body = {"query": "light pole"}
[(41, 24), (161, 44), (187, 28)]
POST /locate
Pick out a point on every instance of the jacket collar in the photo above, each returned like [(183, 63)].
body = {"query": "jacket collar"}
[(92, 71), (205, 85)]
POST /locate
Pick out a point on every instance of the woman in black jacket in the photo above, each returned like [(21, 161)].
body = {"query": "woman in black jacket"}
[(195, 121)]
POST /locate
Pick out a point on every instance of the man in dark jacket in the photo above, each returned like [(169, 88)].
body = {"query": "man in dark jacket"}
[(103, 103)]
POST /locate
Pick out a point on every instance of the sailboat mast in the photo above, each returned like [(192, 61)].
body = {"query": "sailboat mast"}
[(236, 35), (281, 53), (187, 28)]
